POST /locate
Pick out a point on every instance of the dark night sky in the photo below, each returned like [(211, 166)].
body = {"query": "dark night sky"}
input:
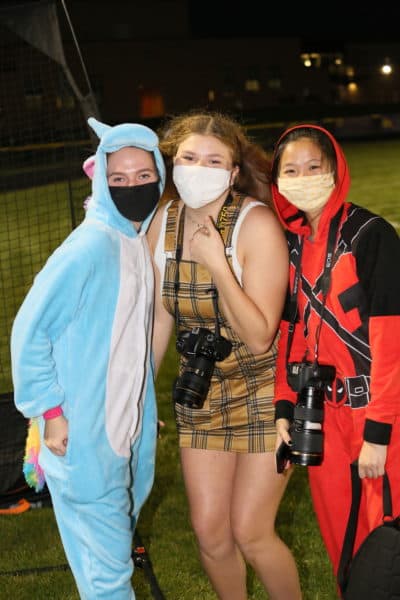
[(322, 20), (337, 19)]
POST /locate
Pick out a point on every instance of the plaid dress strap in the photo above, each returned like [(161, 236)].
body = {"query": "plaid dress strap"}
[(228, 215), (170, 228)]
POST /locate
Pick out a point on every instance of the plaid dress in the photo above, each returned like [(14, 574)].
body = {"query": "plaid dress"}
[(237, 414)]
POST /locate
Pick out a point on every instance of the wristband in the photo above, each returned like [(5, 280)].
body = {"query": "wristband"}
[(52, 413)]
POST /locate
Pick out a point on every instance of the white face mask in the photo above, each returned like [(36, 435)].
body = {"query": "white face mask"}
[(198, 186), (307, 193)]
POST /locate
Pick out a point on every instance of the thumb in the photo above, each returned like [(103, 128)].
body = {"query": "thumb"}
[(209, 221)]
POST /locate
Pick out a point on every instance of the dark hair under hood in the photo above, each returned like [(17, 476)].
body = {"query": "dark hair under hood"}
[(290, 216)]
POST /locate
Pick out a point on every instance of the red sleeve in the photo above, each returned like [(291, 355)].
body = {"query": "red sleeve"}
[(385, 370), (378, 259)]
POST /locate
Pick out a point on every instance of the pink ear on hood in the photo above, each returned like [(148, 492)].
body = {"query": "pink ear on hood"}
[(88, 166)]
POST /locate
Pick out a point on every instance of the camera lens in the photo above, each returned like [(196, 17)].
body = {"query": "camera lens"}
[(307, 447), (307, 437), (191, 388), (201, 348)]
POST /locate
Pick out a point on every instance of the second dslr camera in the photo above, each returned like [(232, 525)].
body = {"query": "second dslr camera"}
[(203, 349), (310, 381)]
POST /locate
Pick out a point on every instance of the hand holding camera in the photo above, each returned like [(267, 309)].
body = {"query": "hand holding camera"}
[(309, 380)]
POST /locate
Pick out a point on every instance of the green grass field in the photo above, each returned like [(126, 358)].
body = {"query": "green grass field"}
[(35, 221), (31, 539)]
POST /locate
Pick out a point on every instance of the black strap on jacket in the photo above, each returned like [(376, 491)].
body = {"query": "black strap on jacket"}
[(325, 282)]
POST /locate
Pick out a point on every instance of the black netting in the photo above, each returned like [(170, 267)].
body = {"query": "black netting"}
[(44, 138), (13, 429)]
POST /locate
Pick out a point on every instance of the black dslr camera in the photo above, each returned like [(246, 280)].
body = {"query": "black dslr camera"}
[(309, 380), (202, 348)]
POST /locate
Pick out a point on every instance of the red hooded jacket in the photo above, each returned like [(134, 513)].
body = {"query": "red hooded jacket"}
[(360, 327)]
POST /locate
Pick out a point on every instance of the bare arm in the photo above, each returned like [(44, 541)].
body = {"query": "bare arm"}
[(163, 325), (254, 310), (163, 321)]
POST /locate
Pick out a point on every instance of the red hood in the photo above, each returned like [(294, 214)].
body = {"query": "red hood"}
[(287, 211)]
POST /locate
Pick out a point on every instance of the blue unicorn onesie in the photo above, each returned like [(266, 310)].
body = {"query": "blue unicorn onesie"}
[(82, 341)]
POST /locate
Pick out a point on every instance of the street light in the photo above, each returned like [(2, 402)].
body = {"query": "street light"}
[(386, 68)]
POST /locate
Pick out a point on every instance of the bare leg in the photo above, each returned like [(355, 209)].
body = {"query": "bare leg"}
[(209, 477), (257, 492)]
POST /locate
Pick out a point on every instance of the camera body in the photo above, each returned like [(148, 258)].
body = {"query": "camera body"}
[(309, 380), (203, 349)]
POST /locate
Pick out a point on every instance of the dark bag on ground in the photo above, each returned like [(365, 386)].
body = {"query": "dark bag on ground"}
[(16, 495), (374, 571)]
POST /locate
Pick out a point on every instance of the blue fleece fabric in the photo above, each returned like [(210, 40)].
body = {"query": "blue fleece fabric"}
[(81, 339)]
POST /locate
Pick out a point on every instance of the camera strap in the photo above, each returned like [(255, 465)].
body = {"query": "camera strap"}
[(325, 283), (227, 215)]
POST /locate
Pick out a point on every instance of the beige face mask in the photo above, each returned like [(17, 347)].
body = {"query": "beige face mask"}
[(307, 193)]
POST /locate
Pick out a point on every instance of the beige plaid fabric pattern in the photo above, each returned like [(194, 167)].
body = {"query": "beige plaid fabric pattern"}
[(238, 414)]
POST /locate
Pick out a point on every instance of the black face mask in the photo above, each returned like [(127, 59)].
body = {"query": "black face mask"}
[(135, 202)]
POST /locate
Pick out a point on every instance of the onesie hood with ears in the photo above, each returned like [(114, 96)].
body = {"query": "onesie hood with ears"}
[(113, 138)]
